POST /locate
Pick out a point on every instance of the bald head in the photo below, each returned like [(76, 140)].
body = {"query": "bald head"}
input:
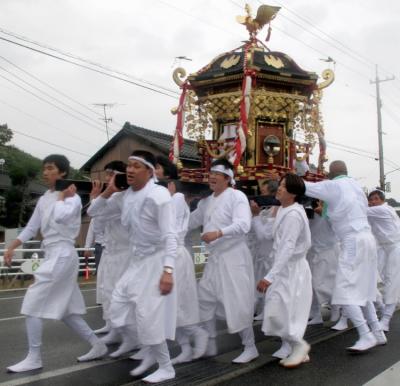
[(337, 168)]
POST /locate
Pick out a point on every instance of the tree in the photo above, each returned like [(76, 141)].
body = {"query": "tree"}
[(5, 134), (22, 168)]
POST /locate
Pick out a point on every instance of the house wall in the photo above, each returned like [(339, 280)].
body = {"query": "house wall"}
[(121, 151)]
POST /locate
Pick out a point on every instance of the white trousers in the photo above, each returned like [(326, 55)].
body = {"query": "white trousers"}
[(34, 328)]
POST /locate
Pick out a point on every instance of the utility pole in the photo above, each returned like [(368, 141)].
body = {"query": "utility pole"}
[(377, 81), (106, 120)]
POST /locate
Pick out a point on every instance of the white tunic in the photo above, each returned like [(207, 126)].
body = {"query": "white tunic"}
[(185, 278), (116, 252), (356, 276), (385, 224), (323, 258), (149, 216), (262, 226), (288, 298), (55, 292), (226, 289)]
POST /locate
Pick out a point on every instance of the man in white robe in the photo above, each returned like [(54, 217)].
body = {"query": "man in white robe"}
[(143, 303), (95, 238), (55, 294), (323, 260), (356, 278), (116, 253), (226, 289), (188, 317), (385, 224), (262, 227), (287, 285)]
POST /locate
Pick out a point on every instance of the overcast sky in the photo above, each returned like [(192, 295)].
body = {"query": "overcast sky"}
[(142, 38)]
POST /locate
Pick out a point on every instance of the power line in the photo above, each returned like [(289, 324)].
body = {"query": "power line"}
[(43, 122), (351, 147), (50, 103), (51, 87), (88, 61), (353, 152), (87, 67), (50, 143), (363, 59), (48, 95)]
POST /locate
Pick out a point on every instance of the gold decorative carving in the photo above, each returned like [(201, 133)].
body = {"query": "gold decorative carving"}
[(230, 62), (329, 77), (178, 76), (216, 155), (273, 61), (265, 13)]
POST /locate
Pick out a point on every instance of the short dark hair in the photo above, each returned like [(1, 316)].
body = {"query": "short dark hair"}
[(294, 185), (170, 169), (272, 186), (224, 162), (117, 166), (61, 162), (377, 192), (146, 155)]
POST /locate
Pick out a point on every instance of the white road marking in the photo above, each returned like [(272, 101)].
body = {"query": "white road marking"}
[(388, 377), (23, 316)]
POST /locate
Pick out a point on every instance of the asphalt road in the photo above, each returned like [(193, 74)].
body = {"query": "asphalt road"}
[(330, 364)]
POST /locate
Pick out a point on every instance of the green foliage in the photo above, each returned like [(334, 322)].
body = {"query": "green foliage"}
[(5, 134), (22, 168)]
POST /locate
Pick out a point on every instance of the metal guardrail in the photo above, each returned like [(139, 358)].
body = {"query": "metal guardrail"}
[(15, 270), (86, 266)]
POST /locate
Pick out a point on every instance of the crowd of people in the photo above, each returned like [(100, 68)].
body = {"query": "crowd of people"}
[(272, 264)]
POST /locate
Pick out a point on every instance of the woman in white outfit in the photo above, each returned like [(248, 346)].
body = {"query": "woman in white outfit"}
[(287, 286), (55, 294)]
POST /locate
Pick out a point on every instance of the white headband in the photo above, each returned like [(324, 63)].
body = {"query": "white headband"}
[(147, 163), (228, 172)]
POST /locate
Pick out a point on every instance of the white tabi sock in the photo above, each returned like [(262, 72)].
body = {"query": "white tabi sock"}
[(211, 327), (129, 341), (387, 316), (112, 337), (105, 329), (141, 354), (371, 317), (184, 356), (165, 370), (284, 351), (200, 337), (366, 339), (250, 350), (33, 361), (147, 362), (355, 314), (78, 324)]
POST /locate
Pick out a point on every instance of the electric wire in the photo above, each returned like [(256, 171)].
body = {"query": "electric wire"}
[(50, 103), (80, 58), (52, 97), (87, 67)]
